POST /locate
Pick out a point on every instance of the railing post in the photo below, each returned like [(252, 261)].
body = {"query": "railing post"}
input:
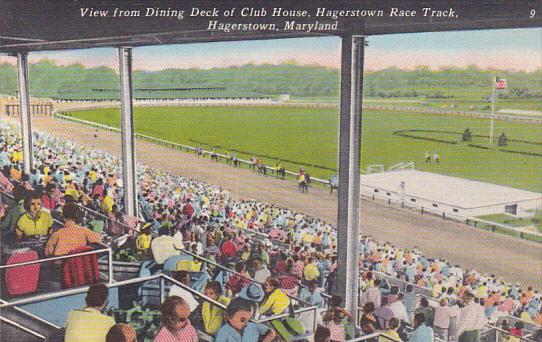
[(314, 324), (110, 262), (25, 117), (162, 295)]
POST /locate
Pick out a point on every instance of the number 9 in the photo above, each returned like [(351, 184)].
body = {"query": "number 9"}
[(532, 13)]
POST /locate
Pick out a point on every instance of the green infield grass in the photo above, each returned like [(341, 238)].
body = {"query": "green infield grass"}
[(309, 137)]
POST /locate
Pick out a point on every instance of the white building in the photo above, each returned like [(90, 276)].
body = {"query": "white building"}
[(452, 196), (284, 97)]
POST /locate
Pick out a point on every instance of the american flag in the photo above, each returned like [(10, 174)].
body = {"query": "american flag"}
[(500, 83)]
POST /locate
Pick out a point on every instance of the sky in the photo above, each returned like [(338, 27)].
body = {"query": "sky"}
[(509, 49)]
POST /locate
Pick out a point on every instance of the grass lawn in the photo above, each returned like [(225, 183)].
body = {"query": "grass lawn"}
[(309, 137)]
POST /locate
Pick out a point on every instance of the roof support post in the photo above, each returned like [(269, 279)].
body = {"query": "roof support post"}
[(127, 131), (26, 122), (349, 171)]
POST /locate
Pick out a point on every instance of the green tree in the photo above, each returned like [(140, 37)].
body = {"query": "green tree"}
[(503, 140), (467, 135)]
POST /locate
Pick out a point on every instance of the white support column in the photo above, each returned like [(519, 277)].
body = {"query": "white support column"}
[(127, 131), (349, 172), (26, 122)]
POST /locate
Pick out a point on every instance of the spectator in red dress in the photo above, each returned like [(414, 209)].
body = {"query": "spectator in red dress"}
[(228, 248), (188, 209)]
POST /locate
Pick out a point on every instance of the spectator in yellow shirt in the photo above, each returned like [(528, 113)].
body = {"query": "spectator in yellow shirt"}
[(275, 301), (72, 190), (393, 325), (107, 202), (307, 238), (36, 221), (16, 156), (93, 175), (143, 241), (310, 271), (212, 315), (89, 324)]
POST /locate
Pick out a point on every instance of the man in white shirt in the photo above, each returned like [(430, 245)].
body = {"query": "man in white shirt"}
[(441, 319), (471, 320), (452, 328), (176, 290), (261, 273), (372, 295), (165, 246), (198, 231), (399, 309)]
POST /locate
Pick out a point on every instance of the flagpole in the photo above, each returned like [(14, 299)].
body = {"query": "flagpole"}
[(494, 98)]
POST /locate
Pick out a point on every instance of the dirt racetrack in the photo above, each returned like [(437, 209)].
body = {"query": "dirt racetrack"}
[(507, 257)]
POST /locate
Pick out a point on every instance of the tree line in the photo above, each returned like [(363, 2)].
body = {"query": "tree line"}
[(47, 79)]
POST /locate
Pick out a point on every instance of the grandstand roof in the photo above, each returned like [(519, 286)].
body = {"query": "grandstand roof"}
[(35, 25)]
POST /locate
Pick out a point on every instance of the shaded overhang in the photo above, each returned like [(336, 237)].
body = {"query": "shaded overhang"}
[(34, 25)]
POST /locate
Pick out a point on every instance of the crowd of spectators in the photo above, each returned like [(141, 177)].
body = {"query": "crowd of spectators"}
[(296, 259)]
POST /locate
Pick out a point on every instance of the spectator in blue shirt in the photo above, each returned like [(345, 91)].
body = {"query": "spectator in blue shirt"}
[(311, 295), (238, 327), (422, 332), (4, 158)]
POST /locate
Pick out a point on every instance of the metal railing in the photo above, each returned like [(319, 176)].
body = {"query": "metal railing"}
[(161, 277), (402, 284), (224, 268), (494, 226), (7, 195), (23, 328), (264, 236), (85, 122), (313, 309), (499, 335), (89, 211), (306, 307), (379, 335), (187, 288), (31, 315), (106, 249), (106, 219)]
